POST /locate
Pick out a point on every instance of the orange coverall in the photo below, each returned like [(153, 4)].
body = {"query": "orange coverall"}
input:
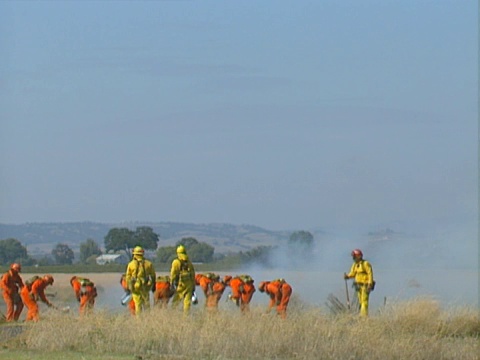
[(85, 292), (279, 292), (212, 288), (163, 291), (30, 296), (131, 304), (11, 283), (242, 291)]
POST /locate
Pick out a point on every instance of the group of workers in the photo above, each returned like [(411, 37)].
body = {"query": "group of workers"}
[(140, 279)]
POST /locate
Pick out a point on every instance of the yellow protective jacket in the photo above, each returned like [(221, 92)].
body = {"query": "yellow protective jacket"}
[(140, 275), (182, 273), (362, 272)]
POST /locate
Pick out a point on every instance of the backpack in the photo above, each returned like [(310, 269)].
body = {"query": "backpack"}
[(247, 279), (30, 281), (363, 269)]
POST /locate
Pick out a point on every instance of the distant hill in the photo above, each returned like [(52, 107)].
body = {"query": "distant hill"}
[(40, 238)]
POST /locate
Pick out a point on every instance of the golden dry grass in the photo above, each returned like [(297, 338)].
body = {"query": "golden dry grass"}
[(414, 329), (417, 329)]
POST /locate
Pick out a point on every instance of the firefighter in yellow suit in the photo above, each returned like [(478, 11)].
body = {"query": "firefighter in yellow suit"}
[(182, 275), (362, 271), (140, 278)]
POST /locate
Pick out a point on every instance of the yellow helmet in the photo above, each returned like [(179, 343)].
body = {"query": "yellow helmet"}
[(181, 249), (138, 250)]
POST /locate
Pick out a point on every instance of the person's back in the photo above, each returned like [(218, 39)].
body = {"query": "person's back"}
[(182, 275), (140, 278)]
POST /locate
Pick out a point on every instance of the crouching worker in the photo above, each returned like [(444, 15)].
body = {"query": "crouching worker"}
[(212, 287), (140, 277), (279, 291), (130, 303), (242, 290), (33, 291), (85, 293), (163, 291), (11, 284), (182, 275)]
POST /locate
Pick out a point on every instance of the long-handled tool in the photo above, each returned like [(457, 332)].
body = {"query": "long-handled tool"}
[(348, 297)]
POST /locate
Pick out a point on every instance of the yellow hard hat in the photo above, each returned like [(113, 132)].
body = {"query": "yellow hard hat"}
[(181, 249), (138, 250)]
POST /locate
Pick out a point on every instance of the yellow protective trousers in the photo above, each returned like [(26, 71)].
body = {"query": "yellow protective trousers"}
[(363, 295), (141, 298), (185, 292)]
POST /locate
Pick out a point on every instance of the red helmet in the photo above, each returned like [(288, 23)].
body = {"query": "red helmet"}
[(16, 267), (357, 252)]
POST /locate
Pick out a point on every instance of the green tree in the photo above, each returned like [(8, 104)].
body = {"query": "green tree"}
[(126, 239), (12, 250), (197, 251), (88, 249), (300, 247), (62, 254), (188, 242), (145, 237), (118, 239), (166, 254)]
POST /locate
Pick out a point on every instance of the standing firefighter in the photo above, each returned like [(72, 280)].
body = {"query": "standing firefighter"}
[(279, 291), (140, 277), (33, 291), (182, 275), (85, 293), (362, 273), (11, 284)]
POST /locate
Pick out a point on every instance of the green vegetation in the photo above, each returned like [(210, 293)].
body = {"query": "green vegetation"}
[(418, 329)]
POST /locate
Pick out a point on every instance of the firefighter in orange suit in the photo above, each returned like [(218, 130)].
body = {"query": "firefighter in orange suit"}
[(242, 290), (362, 273), (212, 287), (163, 291), (32, 292), (131, 303), (279, 291), (11, 284), (85, 293)]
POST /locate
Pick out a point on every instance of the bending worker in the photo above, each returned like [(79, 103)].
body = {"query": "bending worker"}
[(131, 303), (33, 291), (242, 290), (140, 277), (212, 287), (279, 291), (362, 272), (163, 291), (11, 284), (85, 293), (182, 275)]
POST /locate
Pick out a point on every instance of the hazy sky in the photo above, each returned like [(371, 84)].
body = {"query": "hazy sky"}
[(281, 114)]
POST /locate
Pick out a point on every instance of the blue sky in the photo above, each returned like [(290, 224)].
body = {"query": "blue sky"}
[(281, 114)]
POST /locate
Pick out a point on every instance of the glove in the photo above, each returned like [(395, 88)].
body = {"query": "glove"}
[(345, 276)]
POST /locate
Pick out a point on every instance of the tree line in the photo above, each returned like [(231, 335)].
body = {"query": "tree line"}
[(300, 243)]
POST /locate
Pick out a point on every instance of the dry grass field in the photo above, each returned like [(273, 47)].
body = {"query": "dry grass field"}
[(418, 328)]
